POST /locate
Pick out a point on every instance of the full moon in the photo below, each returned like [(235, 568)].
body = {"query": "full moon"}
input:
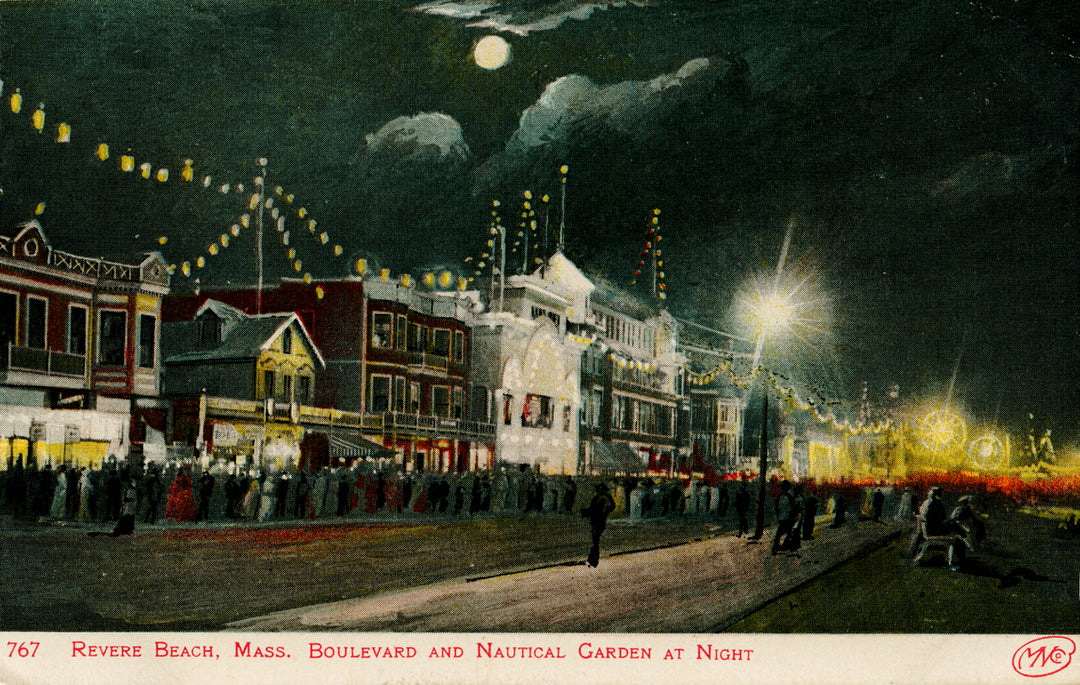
[(491, 52)]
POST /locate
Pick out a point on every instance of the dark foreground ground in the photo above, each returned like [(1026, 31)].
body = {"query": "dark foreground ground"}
[(1025, 580)]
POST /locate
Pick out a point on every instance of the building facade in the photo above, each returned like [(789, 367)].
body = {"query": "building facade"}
[(78, 333)]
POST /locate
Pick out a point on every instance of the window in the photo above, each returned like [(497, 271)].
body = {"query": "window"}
[(478, 403), (36, 309), (268, 384), (417, 338), (400, 400), (76, 333), (536, 412), (414, 398), (382, 330), (566, 419), (113, 326), (508, 409), (209, 329), (401, 333), (441, 344), (286, 388), (458, 404), (147, 341), (459, 346), (379, 397), (440, 401), (286, 341), (303, 391)]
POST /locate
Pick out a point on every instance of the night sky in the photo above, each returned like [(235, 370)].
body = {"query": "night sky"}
[(923, 154)]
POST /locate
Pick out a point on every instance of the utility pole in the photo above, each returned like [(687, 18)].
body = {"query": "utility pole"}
[(261, 182), (759, 523)]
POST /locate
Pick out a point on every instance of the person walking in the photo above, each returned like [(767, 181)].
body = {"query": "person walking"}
[(786, 514), (597, 512), (742, 506), (206, 491), (810, 509), (59, 500), (151, 493)]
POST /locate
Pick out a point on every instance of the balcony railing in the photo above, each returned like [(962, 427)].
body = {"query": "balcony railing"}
[(47, 362), (429, 360)]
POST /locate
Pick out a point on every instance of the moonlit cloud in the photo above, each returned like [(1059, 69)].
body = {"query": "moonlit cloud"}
[(521, 22), (573, 108), (427, 138)]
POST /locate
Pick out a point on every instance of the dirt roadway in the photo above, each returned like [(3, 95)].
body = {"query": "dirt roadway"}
[(200, 577), (699, 587)]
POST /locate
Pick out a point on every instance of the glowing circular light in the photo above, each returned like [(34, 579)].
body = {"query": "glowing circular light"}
[(491, 52), (986, 452), (941, 430)]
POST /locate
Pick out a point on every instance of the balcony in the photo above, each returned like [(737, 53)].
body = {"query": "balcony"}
[(427, 360), (31, 366)]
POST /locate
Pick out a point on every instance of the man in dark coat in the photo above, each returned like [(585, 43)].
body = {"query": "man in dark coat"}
[(810, 507), (233, 492), (786, 515), (206, 491), (151, 487), (742, 506), (597, 512)]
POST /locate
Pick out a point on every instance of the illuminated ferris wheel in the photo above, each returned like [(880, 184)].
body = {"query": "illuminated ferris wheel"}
[(941, 431), (986, 452)]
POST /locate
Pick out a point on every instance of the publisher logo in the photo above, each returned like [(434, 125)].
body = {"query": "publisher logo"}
[(1043, 656)]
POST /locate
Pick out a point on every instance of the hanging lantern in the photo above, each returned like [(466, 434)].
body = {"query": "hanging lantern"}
[(40, 209), (144, 169), (187, 173), (307, 278), (384, 274), (319, 292), (102, 151), (185, 268), (361, 266), (206, 181), (289, 199), (38, 118), (63, 133), (16, 102), (224, 240), (234, 230), (239, 187), (275, 212), (338, 250), (301, 212), (406, 280), (162, 175), (224, 188), (127, 163), (279, 190), (162, 240), (285, 239), (171, 269), (213, 249), (199, 261), (258, 180), (253, 201), (269, 202), (296, 265), (280, 223), (445, 279), (324, 238), (311, 225), (292, 253), (462, 283), (245, 219)]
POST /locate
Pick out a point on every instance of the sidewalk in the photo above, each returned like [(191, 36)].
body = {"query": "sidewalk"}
[(697, 587)]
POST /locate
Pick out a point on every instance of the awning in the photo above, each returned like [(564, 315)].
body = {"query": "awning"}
[(615, 457), (355, 446)]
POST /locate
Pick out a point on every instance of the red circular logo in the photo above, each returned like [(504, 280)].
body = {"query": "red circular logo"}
[(1043, 656)]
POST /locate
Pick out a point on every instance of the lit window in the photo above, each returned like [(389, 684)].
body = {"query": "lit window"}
[(113, 336)]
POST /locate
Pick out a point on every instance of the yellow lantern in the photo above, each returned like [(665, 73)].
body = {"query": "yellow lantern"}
[(102, 151), (127, 163), (319, 292), (429, 279), (162, 240), (234, 230), (187, 173), (338, 249), (324, 238), (144, 169), (296, 265), (445, 279), (185, 268), (40, 209), (245, 220), (63, 133), (162, 175), (200, 261), (384, 274), (213, 249), (307, 278), (16, 102), (224, 240), (361, 266)]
